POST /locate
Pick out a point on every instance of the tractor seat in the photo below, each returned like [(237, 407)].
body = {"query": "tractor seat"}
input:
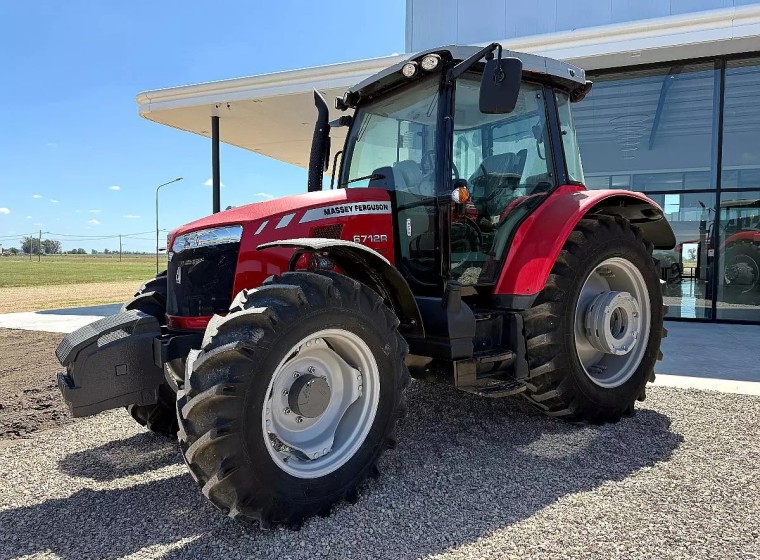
[(408, 176)]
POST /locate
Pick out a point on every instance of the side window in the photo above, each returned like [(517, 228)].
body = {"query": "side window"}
[(569, 139), (506, 163)]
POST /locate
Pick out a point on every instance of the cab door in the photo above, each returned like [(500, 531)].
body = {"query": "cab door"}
[(507, 163)]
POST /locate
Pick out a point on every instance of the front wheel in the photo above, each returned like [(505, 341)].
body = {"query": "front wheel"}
[(293, 397), (594, 332)]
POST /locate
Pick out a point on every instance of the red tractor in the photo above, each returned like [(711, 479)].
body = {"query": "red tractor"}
[(459, 245)]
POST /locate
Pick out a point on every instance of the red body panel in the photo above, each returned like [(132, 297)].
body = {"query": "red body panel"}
[(751, 235), (539, 239), (365, 215)]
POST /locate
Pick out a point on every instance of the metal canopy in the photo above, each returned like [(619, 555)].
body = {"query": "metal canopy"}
[(271, 114)]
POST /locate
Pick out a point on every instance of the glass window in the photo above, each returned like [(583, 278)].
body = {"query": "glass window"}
[(569, 139), (506, 162), (739, 267), (654, 125), (741, 125), (394, 139), (687, 269)]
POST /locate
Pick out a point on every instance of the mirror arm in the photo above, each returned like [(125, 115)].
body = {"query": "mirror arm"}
[(465, 65)]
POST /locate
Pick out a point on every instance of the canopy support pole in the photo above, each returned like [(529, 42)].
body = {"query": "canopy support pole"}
[(215, 174)]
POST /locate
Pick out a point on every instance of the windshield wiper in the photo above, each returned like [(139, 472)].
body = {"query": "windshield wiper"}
[(372, 177)]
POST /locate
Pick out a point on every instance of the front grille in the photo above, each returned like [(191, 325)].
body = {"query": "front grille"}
[(200, 280)]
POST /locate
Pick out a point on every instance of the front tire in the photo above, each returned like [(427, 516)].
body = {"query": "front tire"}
[(159, 417), (594, 332), (293, 397)]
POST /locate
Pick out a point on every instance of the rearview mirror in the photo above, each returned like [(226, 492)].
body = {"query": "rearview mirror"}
[(500, 85)]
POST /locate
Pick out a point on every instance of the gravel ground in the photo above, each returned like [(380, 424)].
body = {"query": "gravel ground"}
[(470, 478)]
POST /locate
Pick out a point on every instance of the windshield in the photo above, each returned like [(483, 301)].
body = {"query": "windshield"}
[(393, 138)]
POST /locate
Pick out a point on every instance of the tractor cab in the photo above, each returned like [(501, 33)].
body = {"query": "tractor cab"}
[(468, 142)]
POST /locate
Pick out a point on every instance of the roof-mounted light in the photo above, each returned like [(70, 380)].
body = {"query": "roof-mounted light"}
[(409, 69), (430, 62)]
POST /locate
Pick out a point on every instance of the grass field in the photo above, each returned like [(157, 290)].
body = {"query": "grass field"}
[(70, 280), (74, 269)]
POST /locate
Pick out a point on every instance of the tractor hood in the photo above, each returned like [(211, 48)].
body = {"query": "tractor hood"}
[(294, 216)]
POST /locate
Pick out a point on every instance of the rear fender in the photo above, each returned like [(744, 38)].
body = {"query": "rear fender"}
[(370, 268), (539, 239)]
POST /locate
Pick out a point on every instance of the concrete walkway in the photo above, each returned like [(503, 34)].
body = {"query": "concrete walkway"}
[(715, 357)]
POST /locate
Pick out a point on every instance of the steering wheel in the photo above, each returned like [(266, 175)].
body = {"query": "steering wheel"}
[(428, 164)]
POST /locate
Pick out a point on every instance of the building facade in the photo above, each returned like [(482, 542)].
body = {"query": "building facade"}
[(673, 113)]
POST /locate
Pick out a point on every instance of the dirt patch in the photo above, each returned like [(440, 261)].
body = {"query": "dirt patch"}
[(29, 397), (33, 298)]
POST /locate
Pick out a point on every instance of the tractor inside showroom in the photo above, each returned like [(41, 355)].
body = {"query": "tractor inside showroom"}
[(457, 244)]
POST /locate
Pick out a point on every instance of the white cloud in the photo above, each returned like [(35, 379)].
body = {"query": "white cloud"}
[(131, 216), (264, 195), (28, 217), (93, 222), (114, 188), (4, 211), (52, 144), (36, 196), (95, 211), (210, 183), (54, 201), (38, 224)]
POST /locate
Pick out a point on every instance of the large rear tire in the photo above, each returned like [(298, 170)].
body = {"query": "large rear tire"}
[(161, 417), (293, 397), (593, 334)]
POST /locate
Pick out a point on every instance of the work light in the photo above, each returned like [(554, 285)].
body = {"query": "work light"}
[(409, 69), (430, 62)]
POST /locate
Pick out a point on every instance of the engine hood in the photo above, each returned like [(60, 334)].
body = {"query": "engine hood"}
[(280, 206)]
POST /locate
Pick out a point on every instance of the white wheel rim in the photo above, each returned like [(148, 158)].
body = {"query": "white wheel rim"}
[(335, 386), (612, 322)]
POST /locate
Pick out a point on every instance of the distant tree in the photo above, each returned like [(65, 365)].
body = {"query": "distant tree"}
[(13, 251), (94, 251), (81, 251), (51, 247), (106, 252), (30, 244)]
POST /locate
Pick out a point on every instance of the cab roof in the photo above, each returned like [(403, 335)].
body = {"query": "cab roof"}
[(548, 70)]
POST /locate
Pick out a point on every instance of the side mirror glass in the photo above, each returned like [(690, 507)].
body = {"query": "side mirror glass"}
[(500, 85)]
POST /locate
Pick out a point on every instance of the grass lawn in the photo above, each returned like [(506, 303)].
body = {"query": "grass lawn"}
[(56, 270), (60, 281)]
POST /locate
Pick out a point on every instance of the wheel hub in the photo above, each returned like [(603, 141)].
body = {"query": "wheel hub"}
[(320, 403), (613, 322), (309, 395)]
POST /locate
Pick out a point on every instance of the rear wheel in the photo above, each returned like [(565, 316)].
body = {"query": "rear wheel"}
[(161, 416), (593, 334), (293, 397), (741, 273)]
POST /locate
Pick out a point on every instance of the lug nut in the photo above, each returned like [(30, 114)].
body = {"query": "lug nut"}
[(296, 374), (286, 411), (285, 392), (312, 369), (299, 419)]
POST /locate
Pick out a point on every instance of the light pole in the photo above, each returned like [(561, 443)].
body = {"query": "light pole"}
[(158, 188)]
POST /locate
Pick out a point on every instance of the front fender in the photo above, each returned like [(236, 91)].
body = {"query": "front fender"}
[(371, 268), (539, 239)]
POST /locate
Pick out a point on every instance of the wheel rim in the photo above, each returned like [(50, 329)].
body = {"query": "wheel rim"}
[(743, 271), (612, 322), (321, 403)]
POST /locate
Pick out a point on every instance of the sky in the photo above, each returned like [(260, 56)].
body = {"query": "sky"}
[(77, 160)]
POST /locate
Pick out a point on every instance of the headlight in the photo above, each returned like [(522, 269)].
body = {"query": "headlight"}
[(207, 238)]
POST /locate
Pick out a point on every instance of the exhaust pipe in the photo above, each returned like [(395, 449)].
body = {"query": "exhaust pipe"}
[(320, 144)]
